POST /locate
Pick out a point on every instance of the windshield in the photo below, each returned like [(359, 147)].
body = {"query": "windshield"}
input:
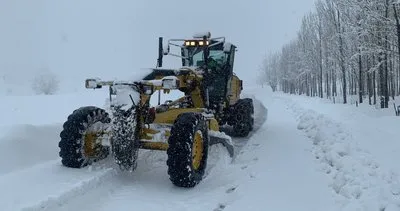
[(218, 55)]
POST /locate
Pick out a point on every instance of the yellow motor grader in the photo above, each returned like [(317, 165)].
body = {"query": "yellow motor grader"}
[(184, 128)]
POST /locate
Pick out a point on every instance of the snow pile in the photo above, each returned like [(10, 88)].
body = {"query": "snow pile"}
[(262, 100), (23, 146), (358, 181)]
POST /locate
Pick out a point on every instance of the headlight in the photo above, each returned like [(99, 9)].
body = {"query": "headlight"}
[(201, 43), (195, 43)]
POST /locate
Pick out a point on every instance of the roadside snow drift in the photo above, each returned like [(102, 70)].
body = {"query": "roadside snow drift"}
[(23, 146), (359, 181)]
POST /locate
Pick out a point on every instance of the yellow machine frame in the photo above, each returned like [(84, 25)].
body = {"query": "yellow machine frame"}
[(191, 82)]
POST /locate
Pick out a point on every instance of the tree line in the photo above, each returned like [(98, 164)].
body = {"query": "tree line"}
[(343, 48)]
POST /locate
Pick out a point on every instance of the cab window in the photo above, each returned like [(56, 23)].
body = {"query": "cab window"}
[(218, 55)]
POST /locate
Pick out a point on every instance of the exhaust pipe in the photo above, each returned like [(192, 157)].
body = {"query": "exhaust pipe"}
[(160, 52)]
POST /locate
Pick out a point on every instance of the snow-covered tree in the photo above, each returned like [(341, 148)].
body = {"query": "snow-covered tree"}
[(344, 47), (46, 83)]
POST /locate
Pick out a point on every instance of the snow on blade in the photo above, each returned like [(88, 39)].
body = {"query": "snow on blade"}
[(221, 135)]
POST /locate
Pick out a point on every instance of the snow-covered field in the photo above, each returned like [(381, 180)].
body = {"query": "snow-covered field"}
[(305, 154)]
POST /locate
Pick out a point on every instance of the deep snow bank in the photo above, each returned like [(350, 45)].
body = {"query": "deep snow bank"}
[(360, 183), (23, 146), (30, 126)]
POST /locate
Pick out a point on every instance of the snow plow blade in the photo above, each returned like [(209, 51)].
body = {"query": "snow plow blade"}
[(226, 141)]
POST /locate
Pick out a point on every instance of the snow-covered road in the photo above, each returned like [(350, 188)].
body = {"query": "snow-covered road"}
[(281, 168), (305, 154), (274, 169)]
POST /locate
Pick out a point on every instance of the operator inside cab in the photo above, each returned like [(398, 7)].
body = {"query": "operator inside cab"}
[(219, 62)]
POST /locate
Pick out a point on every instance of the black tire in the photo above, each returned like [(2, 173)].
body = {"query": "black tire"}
[(72, 146), (124, 138), (242, 117), (181, 169)]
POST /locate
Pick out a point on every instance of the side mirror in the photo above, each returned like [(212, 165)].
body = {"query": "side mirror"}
[(227, 47), (92, 83)]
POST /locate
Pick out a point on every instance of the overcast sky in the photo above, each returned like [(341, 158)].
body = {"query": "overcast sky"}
[(78, 39)]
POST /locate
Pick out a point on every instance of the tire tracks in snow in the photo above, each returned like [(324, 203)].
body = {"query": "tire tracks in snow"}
[(46, 183), (76, 190)]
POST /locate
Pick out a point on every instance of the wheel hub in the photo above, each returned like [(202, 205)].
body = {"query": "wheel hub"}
[(197, 151), (89, 144)]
